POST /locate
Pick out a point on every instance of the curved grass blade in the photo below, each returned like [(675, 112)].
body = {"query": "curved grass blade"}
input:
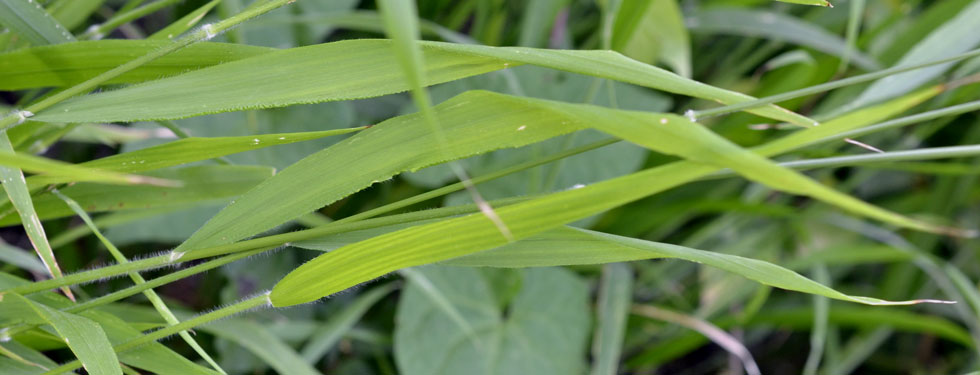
[(664, 133), (84, 337), (72, 63), (30, 20), (337, 71), (777, 26)]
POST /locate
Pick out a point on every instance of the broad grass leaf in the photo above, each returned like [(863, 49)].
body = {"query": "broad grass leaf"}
[(776, 26), (29, 19), (567, 246), (358, 69), (72, 63), (406, 142), (84, 337), (465, 235), (198, 184), (544, 330)]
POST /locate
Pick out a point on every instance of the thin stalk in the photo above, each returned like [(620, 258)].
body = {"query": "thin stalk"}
[(206, 32), (245, 305), (827, 86)]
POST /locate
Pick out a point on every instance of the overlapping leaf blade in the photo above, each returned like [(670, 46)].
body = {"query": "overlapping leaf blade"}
[(461, 236), (358, 69)]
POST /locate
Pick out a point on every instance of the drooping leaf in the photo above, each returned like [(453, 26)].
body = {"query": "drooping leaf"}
[(337, 71), (663, 133)]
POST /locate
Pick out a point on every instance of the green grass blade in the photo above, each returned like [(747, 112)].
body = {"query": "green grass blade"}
[(30, 20), (198, 184), (778, 27), (55, 171), (613, 304), (72, 63), (84, 337), (184, 23), (336, 71), (20, 196), (665, 133)]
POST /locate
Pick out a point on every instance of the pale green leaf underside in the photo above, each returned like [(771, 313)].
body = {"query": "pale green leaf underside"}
[(456, 237), (357, 69)]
